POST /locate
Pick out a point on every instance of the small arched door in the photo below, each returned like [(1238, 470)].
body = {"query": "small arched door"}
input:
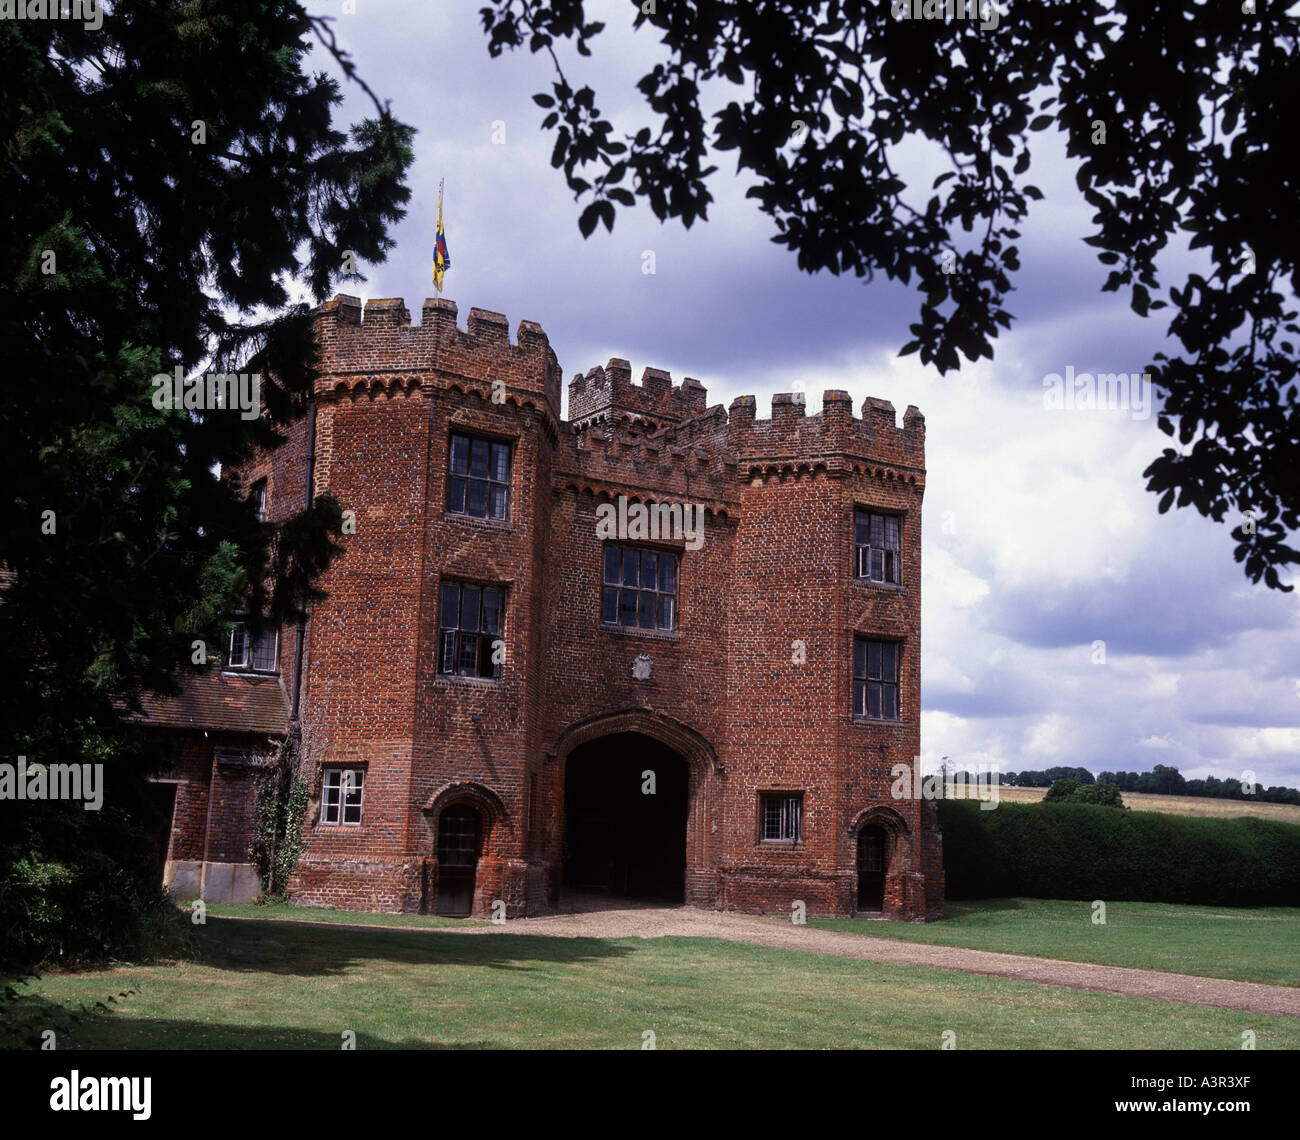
[(873, 857), (458, 849)]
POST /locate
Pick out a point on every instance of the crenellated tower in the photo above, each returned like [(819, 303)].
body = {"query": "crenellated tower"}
[(502, 669)]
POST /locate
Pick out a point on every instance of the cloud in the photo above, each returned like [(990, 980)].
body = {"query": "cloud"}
[(1039, 538)]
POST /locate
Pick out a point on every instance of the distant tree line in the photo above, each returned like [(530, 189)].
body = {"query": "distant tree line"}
[(1162, 780), (1168, 781), (1032, 779)]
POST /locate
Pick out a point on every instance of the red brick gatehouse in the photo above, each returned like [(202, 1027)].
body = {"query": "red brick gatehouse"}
[(528, 677)]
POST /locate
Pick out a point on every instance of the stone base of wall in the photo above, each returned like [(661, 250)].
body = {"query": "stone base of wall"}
[(905, 896), (495, 881), (231, 883), (183, 879), (702, 887)]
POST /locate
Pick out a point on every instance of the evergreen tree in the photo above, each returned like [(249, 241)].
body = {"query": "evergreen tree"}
[(169, 178)]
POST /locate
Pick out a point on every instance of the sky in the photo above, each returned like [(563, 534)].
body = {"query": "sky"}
[(1064, 621)]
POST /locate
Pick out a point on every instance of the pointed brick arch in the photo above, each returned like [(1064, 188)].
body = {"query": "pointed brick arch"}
[(894, 826), (699, 754), (495, 843), (704, 774), (904, 885)]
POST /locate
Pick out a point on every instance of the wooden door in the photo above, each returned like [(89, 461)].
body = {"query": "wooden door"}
[(458, 844), (872, 856)]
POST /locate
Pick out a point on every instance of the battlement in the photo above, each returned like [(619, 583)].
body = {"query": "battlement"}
[(708, 454), (606, 394), (381, 339), (791, 435), (376, 345), (649, 466)]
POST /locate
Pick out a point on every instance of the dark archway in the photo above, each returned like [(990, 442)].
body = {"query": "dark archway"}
[(873, 866), (620, 838), (460, 836)]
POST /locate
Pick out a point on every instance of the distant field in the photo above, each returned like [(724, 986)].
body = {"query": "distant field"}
[(1258, 945), (1175, 805)]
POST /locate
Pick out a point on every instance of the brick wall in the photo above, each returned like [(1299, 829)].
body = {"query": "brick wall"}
[(724, 690)]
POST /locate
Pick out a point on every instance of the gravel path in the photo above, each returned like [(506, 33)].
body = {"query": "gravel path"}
[(637, 921)]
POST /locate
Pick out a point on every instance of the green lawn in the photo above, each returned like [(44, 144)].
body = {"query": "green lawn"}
[(285, 913), (1213, 942), (271, 985)]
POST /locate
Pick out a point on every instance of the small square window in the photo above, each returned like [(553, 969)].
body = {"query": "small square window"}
[(470, 630), (341, 795), (781, 817), (249, 654)]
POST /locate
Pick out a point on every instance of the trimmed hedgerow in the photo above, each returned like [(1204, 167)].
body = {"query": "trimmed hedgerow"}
[(1084, 851)]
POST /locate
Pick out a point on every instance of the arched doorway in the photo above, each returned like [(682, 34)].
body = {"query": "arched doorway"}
[(873, 866), (626, 799), (459, 843)]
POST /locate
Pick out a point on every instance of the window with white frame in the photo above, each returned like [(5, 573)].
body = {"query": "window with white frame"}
[(258, 496), (341, 795), (250, 653)]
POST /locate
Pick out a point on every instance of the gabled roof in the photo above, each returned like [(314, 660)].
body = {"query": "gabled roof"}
[(227, 702)]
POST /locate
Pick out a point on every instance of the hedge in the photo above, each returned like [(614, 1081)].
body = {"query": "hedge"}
[(1085, 851)]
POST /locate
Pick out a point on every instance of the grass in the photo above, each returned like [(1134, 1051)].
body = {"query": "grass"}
[(284, 912), (1173, 805), (265, 984), (1212, 942), (1243, 945)]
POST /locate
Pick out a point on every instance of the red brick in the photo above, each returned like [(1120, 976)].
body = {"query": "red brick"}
[(776, 566)]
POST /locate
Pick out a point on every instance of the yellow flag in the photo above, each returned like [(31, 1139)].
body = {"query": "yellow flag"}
[(441, 258)]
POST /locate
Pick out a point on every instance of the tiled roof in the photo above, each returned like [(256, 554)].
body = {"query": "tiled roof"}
[(227, 702)]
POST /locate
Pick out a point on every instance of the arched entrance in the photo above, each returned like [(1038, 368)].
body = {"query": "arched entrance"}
[(626, 801), (873, 866), (460, 834)]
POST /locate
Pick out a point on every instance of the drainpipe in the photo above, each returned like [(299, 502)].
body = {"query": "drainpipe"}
[(302, 621)]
